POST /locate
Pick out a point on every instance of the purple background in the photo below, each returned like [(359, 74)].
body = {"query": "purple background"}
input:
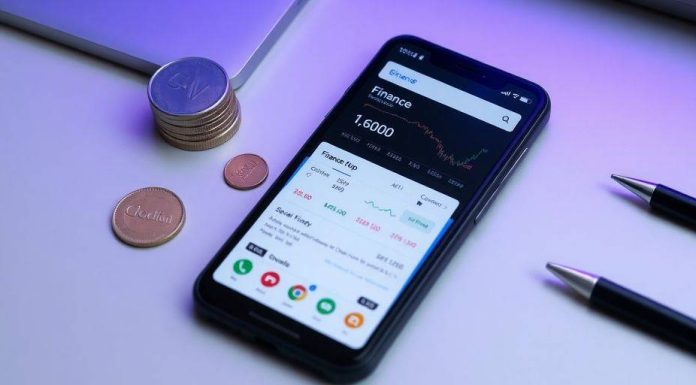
[(77, 306)]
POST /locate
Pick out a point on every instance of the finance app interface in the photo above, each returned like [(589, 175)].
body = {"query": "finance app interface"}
[(341, 240)]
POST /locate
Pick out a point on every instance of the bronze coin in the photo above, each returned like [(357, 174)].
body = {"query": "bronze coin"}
[(148, 217), (245, 171)]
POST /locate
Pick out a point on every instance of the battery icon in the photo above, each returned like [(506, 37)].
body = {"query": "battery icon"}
[(525, 100)]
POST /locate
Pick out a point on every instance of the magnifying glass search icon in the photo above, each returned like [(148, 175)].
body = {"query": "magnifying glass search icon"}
[(506, 119)]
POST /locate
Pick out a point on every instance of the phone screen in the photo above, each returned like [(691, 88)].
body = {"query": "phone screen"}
[(396, 162)]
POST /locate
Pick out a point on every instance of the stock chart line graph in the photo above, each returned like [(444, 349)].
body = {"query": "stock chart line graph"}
[(374, 206), (440, 149)]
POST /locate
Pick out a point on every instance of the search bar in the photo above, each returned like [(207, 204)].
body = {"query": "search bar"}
[(452, 97)]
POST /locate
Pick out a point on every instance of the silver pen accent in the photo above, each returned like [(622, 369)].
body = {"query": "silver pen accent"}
[(643, 189), (579, 280)]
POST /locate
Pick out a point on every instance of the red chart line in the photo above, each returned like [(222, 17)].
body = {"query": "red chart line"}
[(441, 152)]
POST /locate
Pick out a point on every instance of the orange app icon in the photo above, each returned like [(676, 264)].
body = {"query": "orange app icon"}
[(354, 320)]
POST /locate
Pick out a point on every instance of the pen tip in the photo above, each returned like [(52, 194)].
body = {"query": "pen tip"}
[(622, 180), (555, 268), (641, 188), (578, 280)]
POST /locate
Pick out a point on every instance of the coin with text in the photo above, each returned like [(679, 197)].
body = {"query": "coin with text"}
[(148, 217)]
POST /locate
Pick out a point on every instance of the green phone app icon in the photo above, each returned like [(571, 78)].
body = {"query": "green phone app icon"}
[(326, 306), (242, 266)]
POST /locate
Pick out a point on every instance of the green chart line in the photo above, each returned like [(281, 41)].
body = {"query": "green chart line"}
[(388, 211)]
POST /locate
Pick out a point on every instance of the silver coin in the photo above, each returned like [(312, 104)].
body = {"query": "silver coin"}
[(188, 87), (218, 126), (190, 121), (203, 127), (222, 136), (199, 127)]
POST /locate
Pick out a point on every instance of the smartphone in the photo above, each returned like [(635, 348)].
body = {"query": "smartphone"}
[(331, 262)]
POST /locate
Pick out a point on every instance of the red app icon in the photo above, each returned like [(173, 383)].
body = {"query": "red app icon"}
[(270, 279)]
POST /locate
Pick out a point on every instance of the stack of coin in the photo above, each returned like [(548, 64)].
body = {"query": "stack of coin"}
[(194, 106)]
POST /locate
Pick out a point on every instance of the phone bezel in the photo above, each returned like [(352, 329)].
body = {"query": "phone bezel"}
[(308, 345)]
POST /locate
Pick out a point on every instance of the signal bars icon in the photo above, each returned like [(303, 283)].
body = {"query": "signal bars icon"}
[(517, 97)]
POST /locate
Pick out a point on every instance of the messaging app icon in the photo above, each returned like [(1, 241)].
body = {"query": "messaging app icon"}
[(242, 266), (326, 306), (297, 293)]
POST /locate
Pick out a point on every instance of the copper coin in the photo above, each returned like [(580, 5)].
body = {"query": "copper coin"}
[(148, 217), (245, 171)]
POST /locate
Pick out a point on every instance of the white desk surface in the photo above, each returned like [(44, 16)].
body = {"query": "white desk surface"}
[(79, 307)]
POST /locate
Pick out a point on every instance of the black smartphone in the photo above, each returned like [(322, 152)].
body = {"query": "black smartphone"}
[(334, 258)]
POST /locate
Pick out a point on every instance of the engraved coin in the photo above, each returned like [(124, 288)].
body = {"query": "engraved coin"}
[(194, 107), (245, 171), (148, 217), (188, 86)]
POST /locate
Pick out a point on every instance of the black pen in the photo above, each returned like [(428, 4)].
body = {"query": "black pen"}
[(630, 306), (662, 198)]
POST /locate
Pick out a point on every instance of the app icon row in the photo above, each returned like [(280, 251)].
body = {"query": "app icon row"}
[(325, 306)]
